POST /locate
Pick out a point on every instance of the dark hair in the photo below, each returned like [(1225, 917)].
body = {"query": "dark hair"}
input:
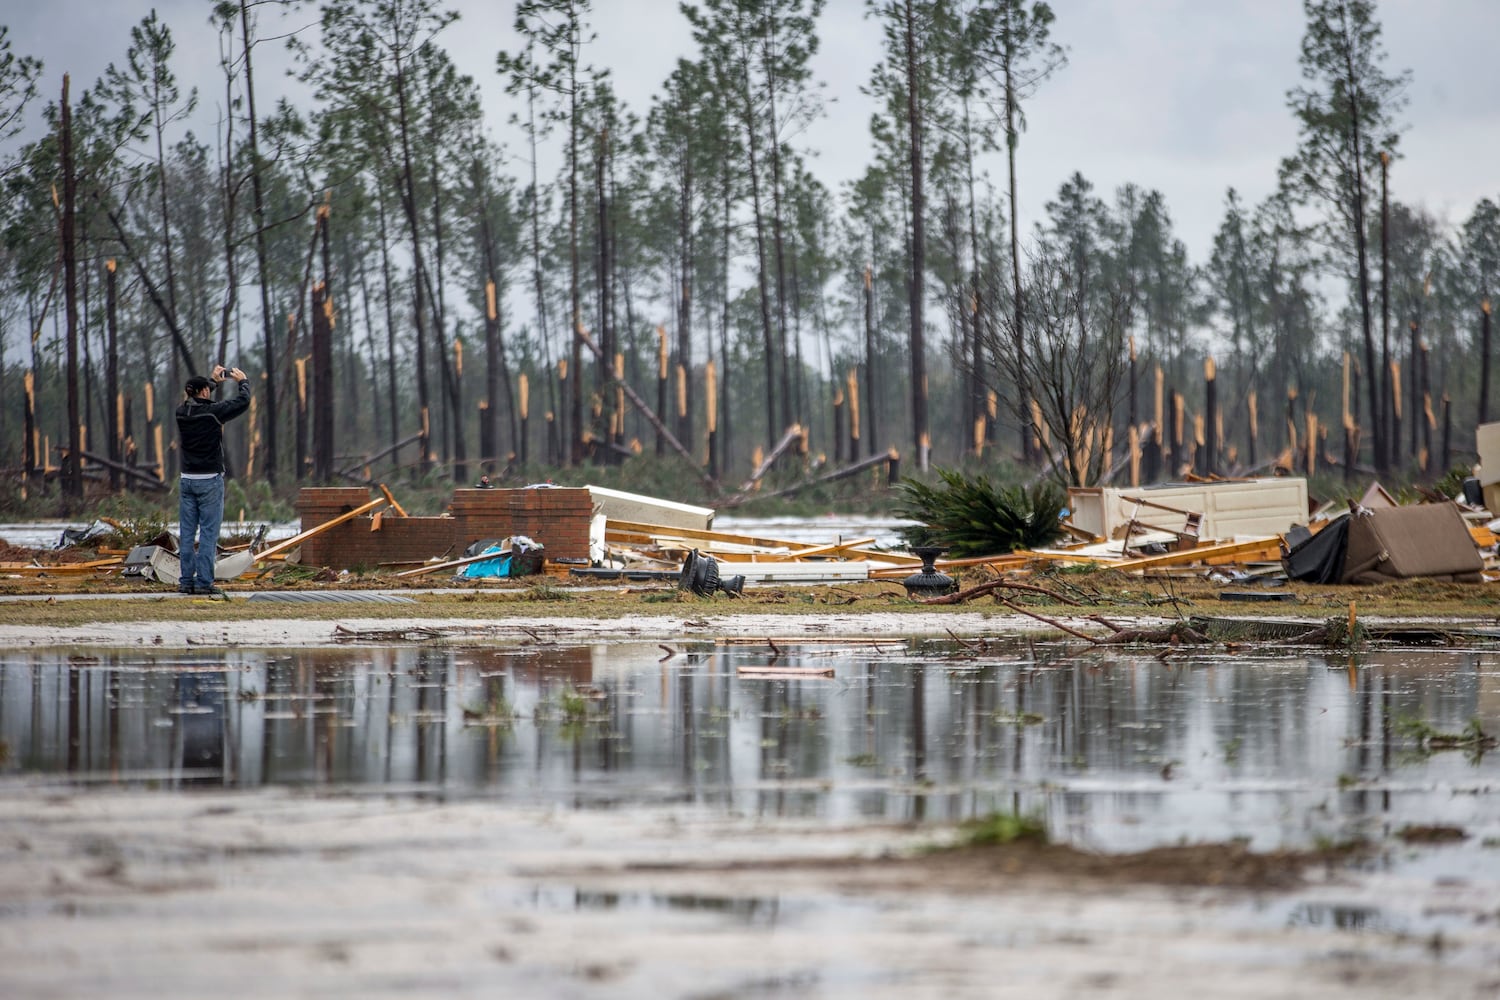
[(197, 384)]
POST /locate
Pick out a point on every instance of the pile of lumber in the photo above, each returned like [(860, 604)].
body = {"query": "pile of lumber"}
[(637, 546)]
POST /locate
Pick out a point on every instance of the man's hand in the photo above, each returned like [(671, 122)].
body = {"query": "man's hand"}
[(236, 374), (218, 373)]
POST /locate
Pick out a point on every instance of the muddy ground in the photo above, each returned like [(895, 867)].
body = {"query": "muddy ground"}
[(277, 893)]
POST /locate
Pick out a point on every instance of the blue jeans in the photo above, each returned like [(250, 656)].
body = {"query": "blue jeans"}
[(199, 511)]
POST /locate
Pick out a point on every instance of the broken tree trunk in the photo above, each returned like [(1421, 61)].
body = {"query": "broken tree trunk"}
[(887, 459), (131, 471), (389, 449), (651, 416), (792, 436)]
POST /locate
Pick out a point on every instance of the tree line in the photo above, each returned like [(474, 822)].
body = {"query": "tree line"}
[(683, 282)]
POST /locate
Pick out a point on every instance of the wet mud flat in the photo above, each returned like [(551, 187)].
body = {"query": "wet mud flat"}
[(734, 816), (277, 893)]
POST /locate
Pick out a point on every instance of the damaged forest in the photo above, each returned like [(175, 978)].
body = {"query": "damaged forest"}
[(669, 297), (778, 498)]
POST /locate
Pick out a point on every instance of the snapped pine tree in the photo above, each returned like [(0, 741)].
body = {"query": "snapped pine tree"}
[(973, 517)]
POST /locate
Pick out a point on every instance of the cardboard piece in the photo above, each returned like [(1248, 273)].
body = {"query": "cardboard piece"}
[(1376, 498), (1487, 442), (1427, 540), (1492, 497)]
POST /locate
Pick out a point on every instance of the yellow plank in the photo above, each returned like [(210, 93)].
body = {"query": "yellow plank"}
[(1067, 557), (1227, 552), (829, 549), (905, 558), (1270, 553), (679, 543), (612, 527)]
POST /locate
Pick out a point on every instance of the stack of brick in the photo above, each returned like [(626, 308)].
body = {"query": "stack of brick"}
[(557, 518), (402, 540), (321, 504)]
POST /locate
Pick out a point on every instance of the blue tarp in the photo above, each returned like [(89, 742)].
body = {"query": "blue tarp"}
[(498, 566), (517, 556)]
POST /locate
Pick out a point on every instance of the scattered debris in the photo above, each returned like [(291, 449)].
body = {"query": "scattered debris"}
[(1196, 529), (700, 574), (1432, 834), (770, 672), (1473, 737), (411, 633)]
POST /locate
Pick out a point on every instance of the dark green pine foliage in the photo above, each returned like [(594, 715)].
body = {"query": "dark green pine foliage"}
[(1345, 114), (973, 517)]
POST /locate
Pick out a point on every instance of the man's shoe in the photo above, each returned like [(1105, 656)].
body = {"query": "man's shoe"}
[(186, 589), (211, 591)]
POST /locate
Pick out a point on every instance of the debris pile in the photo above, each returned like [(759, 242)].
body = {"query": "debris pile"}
[(1258, 533)]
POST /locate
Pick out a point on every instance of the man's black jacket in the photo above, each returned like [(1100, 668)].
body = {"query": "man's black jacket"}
[(200, 429)]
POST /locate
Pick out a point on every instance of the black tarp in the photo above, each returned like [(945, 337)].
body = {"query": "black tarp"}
[(1320, 558)]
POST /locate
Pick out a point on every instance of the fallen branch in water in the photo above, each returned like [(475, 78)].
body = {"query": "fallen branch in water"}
[(410, 633), (1048, 621), (981, 644), (1172, 635), (994, 585)]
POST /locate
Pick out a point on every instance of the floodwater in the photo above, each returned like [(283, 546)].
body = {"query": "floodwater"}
[(1116, 752), (581, 820)]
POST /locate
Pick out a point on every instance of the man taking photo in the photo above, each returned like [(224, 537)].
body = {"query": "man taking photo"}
[(200, 432)]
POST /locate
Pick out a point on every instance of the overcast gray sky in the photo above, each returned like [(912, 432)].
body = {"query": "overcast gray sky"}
[(1185, 96)]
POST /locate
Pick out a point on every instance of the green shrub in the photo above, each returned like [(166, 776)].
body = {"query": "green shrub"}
[(973, 517), (1004, 828)]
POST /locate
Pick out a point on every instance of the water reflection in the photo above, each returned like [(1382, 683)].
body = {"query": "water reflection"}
[(1117, 752), (748, 911)]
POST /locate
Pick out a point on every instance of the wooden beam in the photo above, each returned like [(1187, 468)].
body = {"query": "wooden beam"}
[(1011, 560), (450, 564), (298, 539), (392, 501), (1228, 551), (806, 640), (640, 528), (833, 548), (61, 569), (784, 673)]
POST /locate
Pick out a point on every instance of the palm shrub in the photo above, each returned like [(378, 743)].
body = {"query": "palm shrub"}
[(974, 517)]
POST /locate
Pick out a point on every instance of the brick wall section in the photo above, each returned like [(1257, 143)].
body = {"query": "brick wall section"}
[(319, 504), (558, 518), (398, 540)]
